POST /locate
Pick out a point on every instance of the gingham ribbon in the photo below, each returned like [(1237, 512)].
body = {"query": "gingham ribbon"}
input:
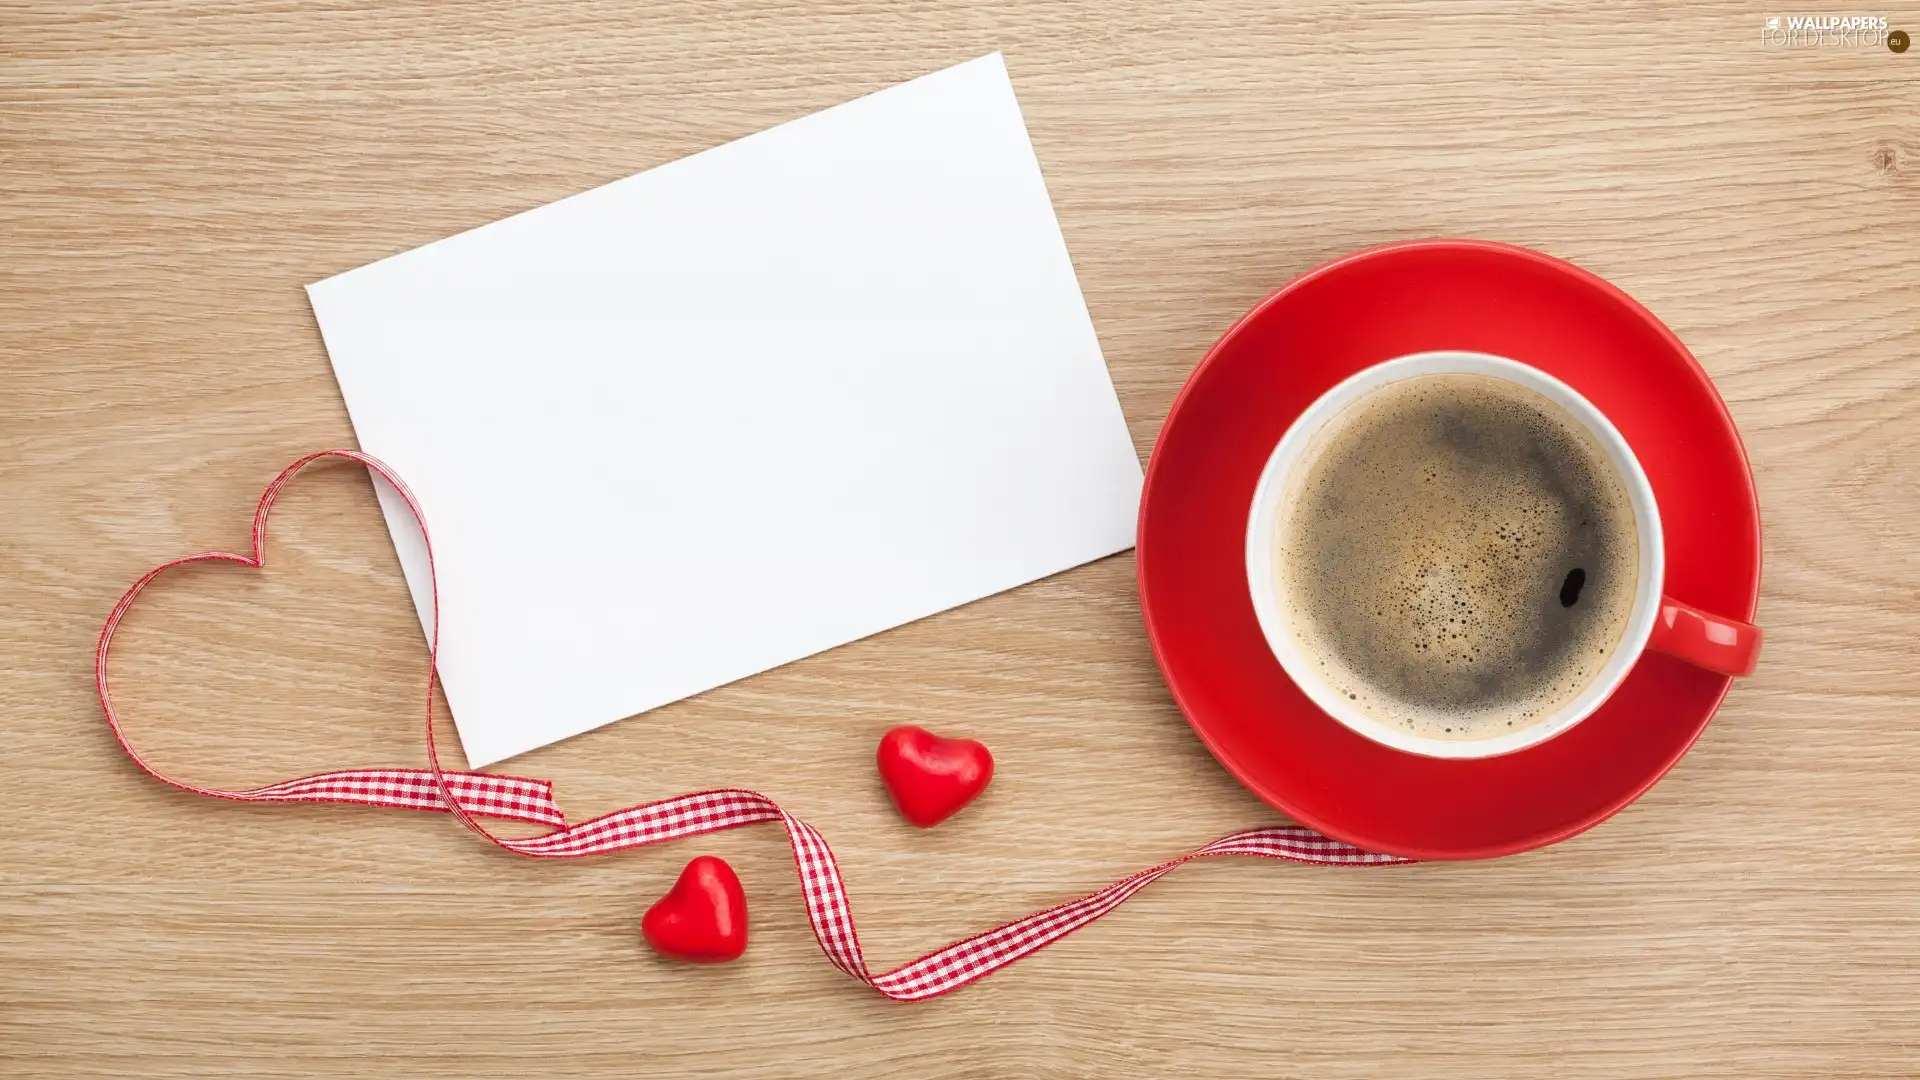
[(470, 796)]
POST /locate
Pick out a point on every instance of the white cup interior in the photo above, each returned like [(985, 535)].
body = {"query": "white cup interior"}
[(1275, 485)]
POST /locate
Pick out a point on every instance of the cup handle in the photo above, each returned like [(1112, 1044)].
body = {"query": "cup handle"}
[(1719, 644)]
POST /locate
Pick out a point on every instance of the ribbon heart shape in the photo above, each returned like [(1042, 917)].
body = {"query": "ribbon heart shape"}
[(471, 796)]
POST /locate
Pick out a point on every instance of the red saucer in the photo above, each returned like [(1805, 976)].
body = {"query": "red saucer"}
[(1327, 324)]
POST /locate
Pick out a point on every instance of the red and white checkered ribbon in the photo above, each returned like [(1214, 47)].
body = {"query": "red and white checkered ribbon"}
[(470, 796)]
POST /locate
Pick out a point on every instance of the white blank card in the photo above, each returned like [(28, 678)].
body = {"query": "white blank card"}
[(738, 409)]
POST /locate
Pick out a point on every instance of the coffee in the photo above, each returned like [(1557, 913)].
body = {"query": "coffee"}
[(1457, 556)]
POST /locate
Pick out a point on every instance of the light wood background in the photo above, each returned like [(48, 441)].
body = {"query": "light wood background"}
[(171, 174)]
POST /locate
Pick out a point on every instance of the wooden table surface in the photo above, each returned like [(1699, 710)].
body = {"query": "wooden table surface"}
[(171, 175)]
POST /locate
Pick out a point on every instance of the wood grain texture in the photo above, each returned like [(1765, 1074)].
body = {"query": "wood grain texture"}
[(171, 174)]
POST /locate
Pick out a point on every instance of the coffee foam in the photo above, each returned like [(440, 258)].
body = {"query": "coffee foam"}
[(1426, 541)]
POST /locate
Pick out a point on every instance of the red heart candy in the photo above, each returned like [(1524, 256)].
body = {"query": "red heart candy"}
[(703, 918), (931, 778)]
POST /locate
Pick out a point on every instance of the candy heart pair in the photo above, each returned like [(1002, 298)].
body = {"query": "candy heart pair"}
[(703, 918)]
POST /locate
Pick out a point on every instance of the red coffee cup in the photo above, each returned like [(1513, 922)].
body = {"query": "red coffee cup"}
[(1656, 621)]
